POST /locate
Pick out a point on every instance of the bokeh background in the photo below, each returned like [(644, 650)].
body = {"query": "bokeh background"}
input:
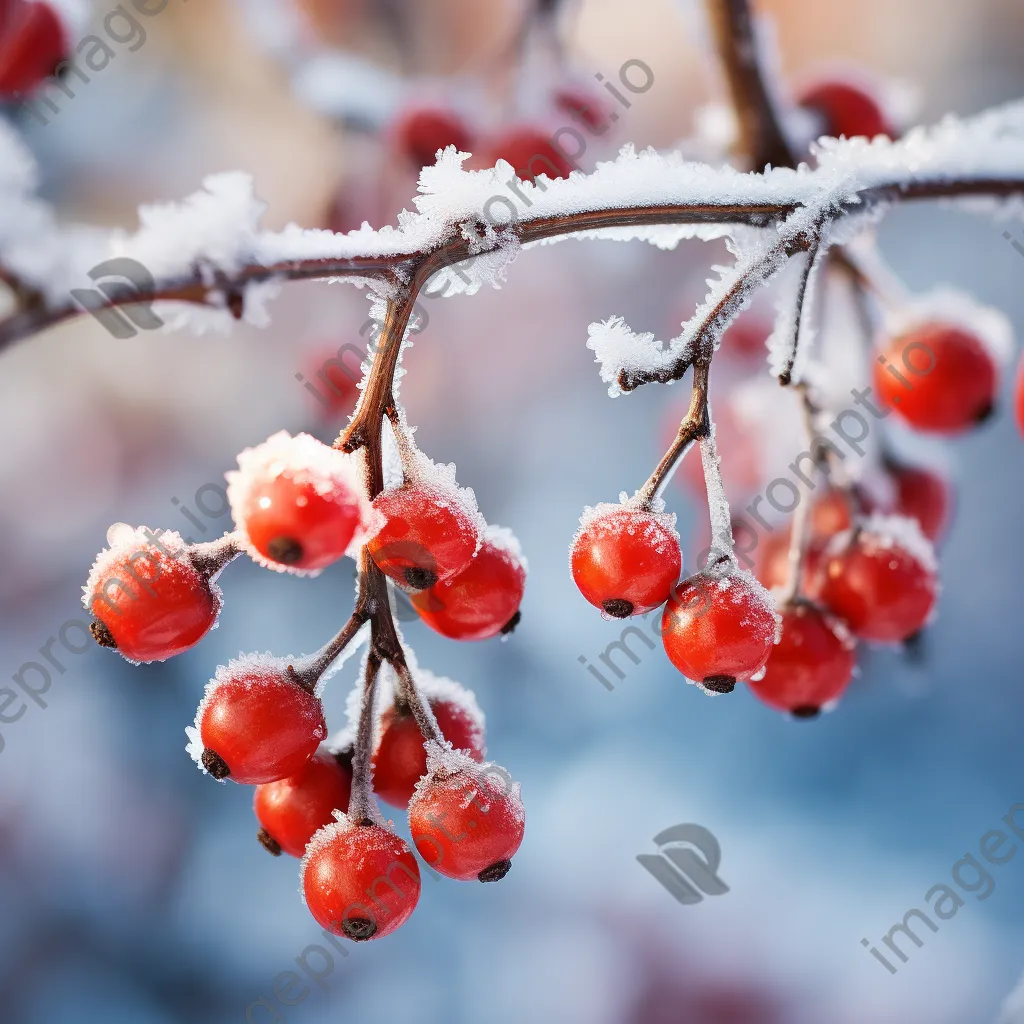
[(132, 890)]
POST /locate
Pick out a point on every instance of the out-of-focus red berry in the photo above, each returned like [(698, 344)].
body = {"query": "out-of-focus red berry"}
[(33, 41), (718, 629), (531, 153), (811, 664), (949, 380), (925, 496), (332, 385), (400, 760), (291, 810), (846, 109), (420, 133), (583, 106), (625, 561), (359, 880), (1019, 397)]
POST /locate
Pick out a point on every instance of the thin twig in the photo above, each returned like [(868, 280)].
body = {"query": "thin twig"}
[(419, 707), (362, 805), (813, 251)]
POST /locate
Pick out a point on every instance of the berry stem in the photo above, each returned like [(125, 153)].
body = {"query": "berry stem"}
[(210, 557), (309, 670), (362, 804), (809, 265), (420, 708), (718, 504)]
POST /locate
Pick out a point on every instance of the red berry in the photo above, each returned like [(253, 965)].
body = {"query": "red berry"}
[(530, 152), (359, 880), (483, 600), (255, 723), (811, 664), (149, 600), (949, 378), (400, 760), (719, 628), (925, 496), (33, 41), (1020, 397), (583, 105), (625, 560), (846, 109), (746, 337), (880, 580), (467, 820), (428, 535), (773, 562), (291, 810), (334, 383), (296, 502), (419, 134)]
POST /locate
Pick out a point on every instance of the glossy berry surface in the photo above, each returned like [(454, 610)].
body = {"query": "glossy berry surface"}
[(879, 588), (427, 537), (419, 134), (479, 603), (258, 726), (33, 41), (811, 664), (468, 824), (150, 604), (625, 561), (530, 153), (925, 496), (846, 109), (400, 760), (950, 378), (291, 810), (718, 629), (359, 880)]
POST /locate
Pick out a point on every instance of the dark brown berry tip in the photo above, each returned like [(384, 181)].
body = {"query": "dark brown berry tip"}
[(215, 764), (496, 872), (102, 635), (806, 711), (286, 550), (510, 626), (617, 608), (985, 414), (719, 684), (269, 843), (344, 757), (359, 929), (418, 578), (785, 378)]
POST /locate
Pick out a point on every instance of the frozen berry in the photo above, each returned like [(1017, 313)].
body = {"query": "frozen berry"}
[(881, 579), (359, 879), (420, 133), (400, 760), (149, 599), (427, 536), (256, 723), (937, 377), (719, 628), (846, 109), (483, 600), (291, 810), (296, 502), (925, 496), (625, 560), (33, 41), (467, 820), (811, 664)]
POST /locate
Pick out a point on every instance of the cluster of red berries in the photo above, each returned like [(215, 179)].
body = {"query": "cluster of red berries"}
[(34, 39), (418, 133), (298, 506)]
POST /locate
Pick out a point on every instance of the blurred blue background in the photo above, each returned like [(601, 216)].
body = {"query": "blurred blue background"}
[(132, 890)]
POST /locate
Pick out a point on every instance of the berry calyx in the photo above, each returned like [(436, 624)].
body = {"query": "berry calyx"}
[(811, 664), (718, 628), (150, 600), (359, 879), (938, 377), (427, 535), (467, 820), (483, 600), (291, 810), (925, 496), (625, 560), (256, 723), (33, 42), (400, 760), (420, 133), (846, 109), (530, 152), (296, 502), (881, 579)]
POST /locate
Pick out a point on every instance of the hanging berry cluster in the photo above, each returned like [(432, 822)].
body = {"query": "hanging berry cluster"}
[(298, 506)]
